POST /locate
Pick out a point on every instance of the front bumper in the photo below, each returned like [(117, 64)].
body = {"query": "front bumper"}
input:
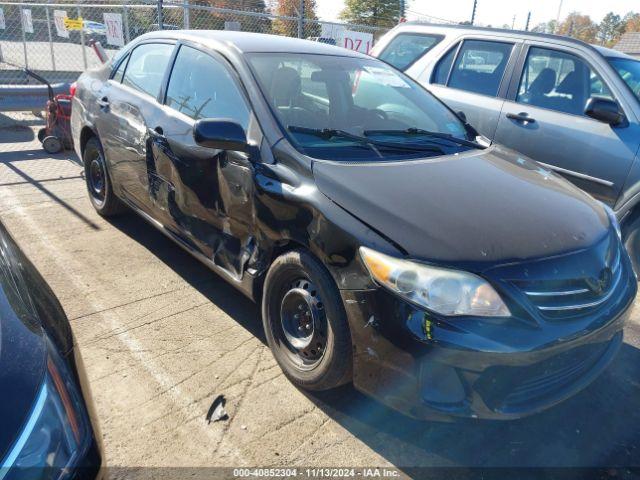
[(428, 368)]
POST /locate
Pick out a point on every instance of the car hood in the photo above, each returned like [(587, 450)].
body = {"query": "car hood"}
[(480, 207), (22, 363)]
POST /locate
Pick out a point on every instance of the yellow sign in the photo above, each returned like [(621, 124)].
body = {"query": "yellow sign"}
[(73, 23)]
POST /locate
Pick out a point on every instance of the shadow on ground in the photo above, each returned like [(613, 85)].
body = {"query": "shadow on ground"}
[(209, 284), (600, 427)]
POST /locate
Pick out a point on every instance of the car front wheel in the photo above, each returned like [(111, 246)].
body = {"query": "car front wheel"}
[(305, 322)]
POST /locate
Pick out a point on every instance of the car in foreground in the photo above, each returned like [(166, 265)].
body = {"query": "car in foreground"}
[(387, 243), (47, 426), (571, 106)]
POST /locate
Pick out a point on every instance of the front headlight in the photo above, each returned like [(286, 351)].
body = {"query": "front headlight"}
[(441, 290), (52, 437)]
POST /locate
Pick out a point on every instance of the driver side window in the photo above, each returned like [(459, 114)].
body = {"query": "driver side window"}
[(202, 87), (559, 81)]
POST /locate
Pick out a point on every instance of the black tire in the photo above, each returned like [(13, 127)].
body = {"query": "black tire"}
[(100, 189), (42, 133), (329, 362), (52, 144)]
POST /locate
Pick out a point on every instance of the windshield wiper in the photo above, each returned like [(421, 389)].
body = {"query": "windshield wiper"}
[(419, 131), (329, 133)]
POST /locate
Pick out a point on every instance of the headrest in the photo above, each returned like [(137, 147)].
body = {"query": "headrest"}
[(544, 82), (285, 86), (570, 84)]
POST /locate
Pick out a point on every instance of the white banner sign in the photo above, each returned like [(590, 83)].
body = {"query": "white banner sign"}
[(3, 25), (233, 26), (58, 19), (27, 22), (331, 30), (358, 41), (113, 22)]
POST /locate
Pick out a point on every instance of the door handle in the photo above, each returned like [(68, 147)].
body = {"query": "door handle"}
[(521, 117), (103, 103)]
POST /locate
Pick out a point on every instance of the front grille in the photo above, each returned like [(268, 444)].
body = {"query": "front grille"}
[(557, 374), (567, 297), (504, 388)]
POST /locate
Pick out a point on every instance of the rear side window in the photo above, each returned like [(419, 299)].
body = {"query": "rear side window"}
[(405, 48), (202, 87), (441, 72), (146, 66), (479, 66)]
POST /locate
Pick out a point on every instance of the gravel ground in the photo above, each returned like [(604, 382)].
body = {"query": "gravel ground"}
[(162, 336)]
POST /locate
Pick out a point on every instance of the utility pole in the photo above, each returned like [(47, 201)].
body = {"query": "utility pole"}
[(402, 8), (558, 16), (301, 19), (160, 16), (513, 23), (526, 27), (473, 12)]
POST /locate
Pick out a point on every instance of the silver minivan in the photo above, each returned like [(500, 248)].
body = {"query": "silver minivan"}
[(571, 106)]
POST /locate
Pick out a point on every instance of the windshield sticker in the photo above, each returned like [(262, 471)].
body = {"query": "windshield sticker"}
[(386, 77)]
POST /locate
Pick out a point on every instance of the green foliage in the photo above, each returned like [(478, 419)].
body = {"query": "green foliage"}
[(610, 29), (378, 13)]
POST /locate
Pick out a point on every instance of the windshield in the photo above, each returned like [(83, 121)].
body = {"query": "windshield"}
[(629, 71), (347, 108)]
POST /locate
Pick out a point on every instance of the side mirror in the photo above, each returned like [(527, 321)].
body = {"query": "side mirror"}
[(220, 135), (462, 116), (604, 110)]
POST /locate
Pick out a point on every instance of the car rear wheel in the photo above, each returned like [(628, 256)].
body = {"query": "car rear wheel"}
[(98, 182), (305, 322)]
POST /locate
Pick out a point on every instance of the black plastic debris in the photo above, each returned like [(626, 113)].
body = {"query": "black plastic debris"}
[(216, 410)]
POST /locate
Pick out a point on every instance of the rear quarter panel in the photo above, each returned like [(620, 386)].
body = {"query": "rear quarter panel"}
[(84, 106)]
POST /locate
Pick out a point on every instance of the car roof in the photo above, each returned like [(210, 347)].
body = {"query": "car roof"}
[(418, 27), (610, 52), (246, 42)]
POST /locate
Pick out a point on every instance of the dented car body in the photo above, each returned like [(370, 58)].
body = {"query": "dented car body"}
[(471, 281)]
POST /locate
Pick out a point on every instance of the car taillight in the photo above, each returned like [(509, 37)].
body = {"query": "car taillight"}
[(72, 89)]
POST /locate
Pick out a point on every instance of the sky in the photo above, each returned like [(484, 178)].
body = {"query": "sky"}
[(498, 12)]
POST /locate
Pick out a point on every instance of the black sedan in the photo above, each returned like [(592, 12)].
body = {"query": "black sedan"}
[(388, 243), (46, 422)]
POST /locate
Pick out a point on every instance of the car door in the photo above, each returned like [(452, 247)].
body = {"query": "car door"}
[(544, 119), (472, 77), (127, 106), (203, 196)]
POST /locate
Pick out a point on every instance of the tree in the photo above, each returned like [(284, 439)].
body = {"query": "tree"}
[(289, 28), (377, 13), (631, 22), (546, 27), (610, 29), (579, 26)]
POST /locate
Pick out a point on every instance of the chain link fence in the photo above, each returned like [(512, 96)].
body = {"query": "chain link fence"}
[(44, 38)]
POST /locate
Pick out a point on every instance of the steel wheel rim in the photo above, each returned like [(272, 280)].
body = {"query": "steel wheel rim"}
[(303, 324), (97, 178)]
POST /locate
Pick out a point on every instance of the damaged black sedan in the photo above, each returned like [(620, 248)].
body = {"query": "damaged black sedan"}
[(388, 244)]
